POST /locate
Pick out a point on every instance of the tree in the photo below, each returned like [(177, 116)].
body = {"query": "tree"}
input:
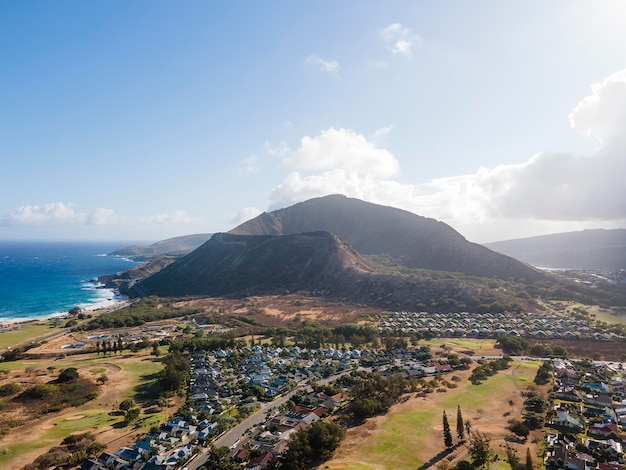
[(460, 428), (68, 375), (131, 415), (365, 407), (102, 379), (219, 459), (479, 449), (529, 459), (512, 458), (447, 435), (74, 311), (519, 428), (127, 404)]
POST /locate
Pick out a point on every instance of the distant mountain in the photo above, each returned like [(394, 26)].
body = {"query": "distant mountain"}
[(371, 229), (176, 246), (588, 249)]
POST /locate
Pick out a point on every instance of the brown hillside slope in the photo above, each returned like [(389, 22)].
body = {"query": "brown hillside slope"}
[(371, 229)]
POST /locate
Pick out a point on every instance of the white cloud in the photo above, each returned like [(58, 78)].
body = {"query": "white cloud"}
[(178, 217), (248, 165), (53, 212), (603, 113), (245, 214), (344, 149), (279, 150), (400, 40), (327, 66), (104, 216), (56, 213), (548, 188), (380, 135)]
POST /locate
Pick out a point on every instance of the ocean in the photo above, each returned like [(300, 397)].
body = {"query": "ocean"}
[(43, 279)]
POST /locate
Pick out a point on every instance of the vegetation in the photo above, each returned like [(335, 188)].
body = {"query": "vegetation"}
[(311, 446), (73, 451), (139, 312), (488, 369), (447, 434), (479, 450), (175, 374), (375, 393), (460, 428)]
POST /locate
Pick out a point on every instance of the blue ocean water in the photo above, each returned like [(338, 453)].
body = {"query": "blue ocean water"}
[(40, 279)]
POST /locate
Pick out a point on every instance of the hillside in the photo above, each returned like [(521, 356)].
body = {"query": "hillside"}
[(244, 265), (321, 264), (176, 246), (371, 229), (588, 249)]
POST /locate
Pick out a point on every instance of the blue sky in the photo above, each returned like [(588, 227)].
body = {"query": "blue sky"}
[(146, 120)]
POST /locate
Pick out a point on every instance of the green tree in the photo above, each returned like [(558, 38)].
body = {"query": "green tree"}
[(447, 435), (127, 404), (460, 428), (512, 458), (479, 449), (529, 459), (68, 375), (519, 428), (131, 415), (102, 379)]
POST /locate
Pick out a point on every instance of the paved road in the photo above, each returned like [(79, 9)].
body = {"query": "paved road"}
[(232, 437)]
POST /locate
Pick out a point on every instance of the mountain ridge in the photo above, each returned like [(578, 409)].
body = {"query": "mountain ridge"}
[(371, 229), (587, 249)]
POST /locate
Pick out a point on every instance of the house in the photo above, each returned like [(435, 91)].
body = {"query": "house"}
[(260, 462), (565, 419)]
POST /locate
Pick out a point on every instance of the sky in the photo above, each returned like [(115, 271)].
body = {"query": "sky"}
[(144, 120)]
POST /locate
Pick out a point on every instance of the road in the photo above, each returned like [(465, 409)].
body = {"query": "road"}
[(232, 437)]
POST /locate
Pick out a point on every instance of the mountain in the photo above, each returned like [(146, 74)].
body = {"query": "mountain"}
[(231, 264), (371, 229), (176, 246), (588, 249), (319, 264)]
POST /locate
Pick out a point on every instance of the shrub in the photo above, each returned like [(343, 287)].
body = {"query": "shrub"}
[(9, 389), (39, 391)]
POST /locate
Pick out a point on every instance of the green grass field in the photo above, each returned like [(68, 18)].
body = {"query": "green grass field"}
[(406, 435), (27, 332)]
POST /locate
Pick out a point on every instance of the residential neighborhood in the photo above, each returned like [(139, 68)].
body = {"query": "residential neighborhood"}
[(589, 411)]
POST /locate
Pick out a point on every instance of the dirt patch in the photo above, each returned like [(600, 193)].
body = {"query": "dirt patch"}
[(75, 417), (285, 310)]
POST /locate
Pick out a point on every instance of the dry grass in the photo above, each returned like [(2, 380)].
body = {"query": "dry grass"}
[(410, 434)]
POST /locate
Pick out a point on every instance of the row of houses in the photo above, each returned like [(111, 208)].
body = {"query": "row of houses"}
[(492, 325)]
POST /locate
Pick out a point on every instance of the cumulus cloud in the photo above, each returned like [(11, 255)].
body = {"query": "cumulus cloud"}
[(178, 217), (53, 212), (603, 114), (549, 187), (279, 150), (104, 216), (344, 149), (327, 66), (400, 40), (56, 213), (244, 215)]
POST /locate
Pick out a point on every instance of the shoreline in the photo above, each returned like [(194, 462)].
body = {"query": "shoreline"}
[(113, 300)]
